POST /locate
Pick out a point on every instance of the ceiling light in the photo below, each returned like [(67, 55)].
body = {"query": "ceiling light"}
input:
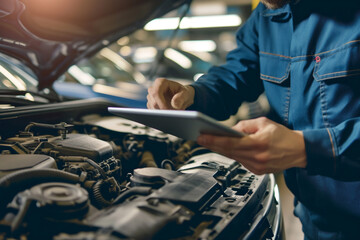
[(145, 54), (83, 77), (178, 57), (198, 46), (230, 20), (208, 8)]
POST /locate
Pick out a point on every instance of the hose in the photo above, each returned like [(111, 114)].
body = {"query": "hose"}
[(131, 192), (147, 160), (98, 199), (23, 211)]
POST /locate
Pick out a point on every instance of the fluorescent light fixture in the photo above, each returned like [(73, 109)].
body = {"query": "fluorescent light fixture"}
[(208, 8), (122, 64), (230, 20), (145, 54), (198, 46), (178, 57), (83, 77), (205, 56)]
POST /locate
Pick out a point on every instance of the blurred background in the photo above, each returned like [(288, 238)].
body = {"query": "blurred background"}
[(180, 46)]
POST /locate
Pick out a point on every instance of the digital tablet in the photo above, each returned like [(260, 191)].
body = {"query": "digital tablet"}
[(181, 123)]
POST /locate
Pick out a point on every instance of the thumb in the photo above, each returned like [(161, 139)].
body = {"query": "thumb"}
[(178, 101), (247, 126)]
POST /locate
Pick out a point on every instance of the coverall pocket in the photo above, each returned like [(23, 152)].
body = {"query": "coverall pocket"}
[(275, 73), (274, 68), (338, 63), (337, 73)]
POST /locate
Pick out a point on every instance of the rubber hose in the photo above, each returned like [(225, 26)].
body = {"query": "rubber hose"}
[(98, 199), (131, 192), (19, 181)]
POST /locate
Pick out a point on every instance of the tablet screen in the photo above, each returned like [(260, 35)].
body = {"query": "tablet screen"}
[(181, 123)]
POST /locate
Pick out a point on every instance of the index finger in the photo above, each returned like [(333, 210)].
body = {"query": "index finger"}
[(157, 93)]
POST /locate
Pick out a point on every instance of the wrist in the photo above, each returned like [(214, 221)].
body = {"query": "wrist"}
[(300, 159)]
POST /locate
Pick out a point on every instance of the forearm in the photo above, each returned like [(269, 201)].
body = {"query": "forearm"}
[(220, 92)]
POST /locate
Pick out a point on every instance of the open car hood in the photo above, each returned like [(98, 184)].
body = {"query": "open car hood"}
[(49, 36)]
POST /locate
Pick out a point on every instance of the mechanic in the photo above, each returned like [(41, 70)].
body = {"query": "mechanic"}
[(305, 55)]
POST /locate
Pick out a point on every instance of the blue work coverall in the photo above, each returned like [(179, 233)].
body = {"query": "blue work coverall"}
[(306, 58)]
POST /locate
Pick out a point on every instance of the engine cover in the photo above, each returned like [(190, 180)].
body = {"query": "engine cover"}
[(13, 163)]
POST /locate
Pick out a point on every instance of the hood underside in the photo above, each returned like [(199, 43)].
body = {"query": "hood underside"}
[(49, 36)]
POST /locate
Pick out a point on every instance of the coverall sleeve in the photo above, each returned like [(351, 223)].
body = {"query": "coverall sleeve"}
[(335, 152), (220, 92)]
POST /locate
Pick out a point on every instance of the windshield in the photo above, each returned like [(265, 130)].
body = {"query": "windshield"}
[(106, 67), (13, 75), (18, 85)]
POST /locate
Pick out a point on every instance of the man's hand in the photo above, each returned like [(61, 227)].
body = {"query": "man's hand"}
[(166, 94), (269, 147)]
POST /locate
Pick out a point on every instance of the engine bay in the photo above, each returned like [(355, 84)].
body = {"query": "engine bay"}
[(91, 175)]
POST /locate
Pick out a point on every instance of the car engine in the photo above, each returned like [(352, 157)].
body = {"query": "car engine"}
[(72, 171)]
